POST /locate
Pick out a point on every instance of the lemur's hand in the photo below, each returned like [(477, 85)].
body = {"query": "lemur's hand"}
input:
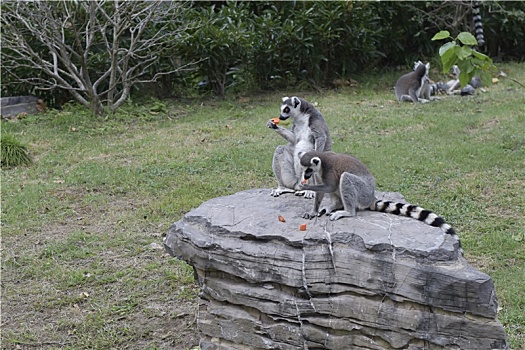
[(272, 123), (304, 187)]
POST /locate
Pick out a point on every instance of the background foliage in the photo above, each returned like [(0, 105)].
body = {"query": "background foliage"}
[(95, 50), (274, 45)]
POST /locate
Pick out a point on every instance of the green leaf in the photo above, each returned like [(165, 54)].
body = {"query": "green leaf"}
[(486, 78), (444, 48), (448, 57), (464, 77), (464, 52), (481, 56), (444, 34), (467, 39), (469, 67)]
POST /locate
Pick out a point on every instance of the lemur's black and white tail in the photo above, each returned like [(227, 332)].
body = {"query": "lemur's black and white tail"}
[(415, 212), (478, 24)]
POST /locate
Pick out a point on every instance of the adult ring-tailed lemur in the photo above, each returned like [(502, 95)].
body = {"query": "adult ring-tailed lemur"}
[(309, 132), (351, 187)]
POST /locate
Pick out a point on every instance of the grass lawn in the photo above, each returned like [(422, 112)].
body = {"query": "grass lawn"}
[(83, 265)]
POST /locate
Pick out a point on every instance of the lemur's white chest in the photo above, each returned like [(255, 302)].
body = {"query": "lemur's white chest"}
[(303, 136), (421, 82)]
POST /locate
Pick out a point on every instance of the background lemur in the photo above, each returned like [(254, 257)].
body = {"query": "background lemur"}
[(453, 87), (428, 88), (408, 86), (309, 132), (352, 187)]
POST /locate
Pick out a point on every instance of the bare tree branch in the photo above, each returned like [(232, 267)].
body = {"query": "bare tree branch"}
[(451, 15), (97, 50)]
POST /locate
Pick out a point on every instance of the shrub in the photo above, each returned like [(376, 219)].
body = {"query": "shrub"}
[(218, 41), (97, 51), (504, 26), (314, 41)]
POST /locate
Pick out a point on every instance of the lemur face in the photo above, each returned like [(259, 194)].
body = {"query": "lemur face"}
[(289, 106), (427, 66), (312, 168)]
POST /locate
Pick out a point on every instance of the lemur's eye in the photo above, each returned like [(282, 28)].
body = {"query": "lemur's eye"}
[(286, 110)]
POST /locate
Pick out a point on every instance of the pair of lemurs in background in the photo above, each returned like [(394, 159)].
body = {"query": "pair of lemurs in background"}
[(308, 158), (417, 87)]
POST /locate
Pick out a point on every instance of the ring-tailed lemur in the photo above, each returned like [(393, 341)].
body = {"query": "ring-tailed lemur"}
[(454, 87), (428, 88), (409, 86), (309, 132), (351, 187), (478, 24)]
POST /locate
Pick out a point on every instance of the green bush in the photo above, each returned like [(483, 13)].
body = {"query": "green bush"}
[(13, 153), (504, 26), (459, 52), (312, 41), (219, 40), (281, 44)]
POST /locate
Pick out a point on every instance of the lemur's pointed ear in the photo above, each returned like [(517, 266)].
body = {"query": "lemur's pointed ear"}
[(285, 98), (296, 101)]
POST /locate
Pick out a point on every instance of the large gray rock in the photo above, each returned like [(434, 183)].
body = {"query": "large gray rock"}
[(375, 281), (13, 106)]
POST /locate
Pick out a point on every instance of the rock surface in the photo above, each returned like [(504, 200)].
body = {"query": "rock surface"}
[(375, 281), (13, 106)]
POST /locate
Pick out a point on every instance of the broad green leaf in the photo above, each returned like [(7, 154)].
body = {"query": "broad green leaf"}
[(464, 52), (469, 67), (444, 48), (486, 78), (467, 39), (481, 56), (449, 59), (477, 63), (444, 34), (464, 77), (448, 56)]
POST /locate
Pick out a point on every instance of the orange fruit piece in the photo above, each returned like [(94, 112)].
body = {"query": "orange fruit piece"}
[(275, 120), (281, 219), (302, 227), (303, 181)]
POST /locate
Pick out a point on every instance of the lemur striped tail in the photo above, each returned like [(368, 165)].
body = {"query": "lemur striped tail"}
[(415, 212), (478, 24)]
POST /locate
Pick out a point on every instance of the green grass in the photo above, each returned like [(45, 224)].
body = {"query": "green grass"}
[(80, 268), (13, 153)]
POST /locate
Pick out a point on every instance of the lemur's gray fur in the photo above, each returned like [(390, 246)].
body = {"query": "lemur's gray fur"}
[(351, 187), (309, 132), (454, 86), (427, 88), (408, 86)]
